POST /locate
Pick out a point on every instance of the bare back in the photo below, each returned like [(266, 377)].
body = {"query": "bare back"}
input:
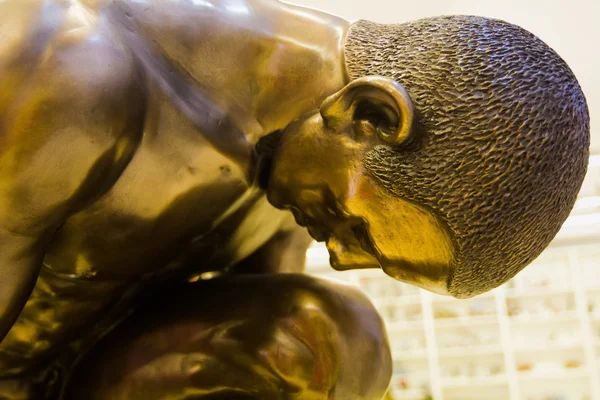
[(107, 179)]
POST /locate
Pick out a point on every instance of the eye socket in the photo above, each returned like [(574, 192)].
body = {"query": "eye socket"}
[(361, 235)]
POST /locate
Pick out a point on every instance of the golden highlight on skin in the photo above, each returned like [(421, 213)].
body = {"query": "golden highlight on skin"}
[(161, 162)]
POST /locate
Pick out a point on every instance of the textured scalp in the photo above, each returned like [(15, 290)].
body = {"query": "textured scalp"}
[(503, 140)]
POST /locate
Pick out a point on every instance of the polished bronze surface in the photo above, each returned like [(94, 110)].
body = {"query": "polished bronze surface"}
[(226, 339), (140, 140)]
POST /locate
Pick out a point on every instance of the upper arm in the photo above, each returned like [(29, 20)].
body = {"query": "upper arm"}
[(70, 117), (71, 122)]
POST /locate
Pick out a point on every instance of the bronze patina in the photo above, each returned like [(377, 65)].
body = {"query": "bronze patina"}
[(155, 153)]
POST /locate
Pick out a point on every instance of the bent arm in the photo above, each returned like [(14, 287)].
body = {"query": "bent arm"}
[(69, 122)]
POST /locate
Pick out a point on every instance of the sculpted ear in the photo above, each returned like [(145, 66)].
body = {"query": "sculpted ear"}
[(381, 102)]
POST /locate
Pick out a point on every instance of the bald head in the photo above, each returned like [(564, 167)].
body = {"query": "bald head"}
[(502, 136)]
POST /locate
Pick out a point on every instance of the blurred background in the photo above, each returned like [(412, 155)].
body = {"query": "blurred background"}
[(538, 336)]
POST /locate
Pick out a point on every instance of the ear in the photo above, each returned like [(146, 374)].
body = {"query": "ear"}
[(381, 102)]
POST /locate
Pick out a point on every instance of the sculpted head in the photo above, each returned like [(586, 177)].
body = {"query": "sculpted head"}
[(450, 160)]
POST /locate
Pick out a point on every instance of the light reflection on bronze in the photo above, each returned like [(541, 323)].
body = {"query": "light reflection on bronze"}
[(140, 139)]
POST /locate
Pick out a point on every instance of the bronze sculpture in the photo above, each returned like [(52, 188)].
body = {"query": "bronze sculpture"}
[(139, 138)]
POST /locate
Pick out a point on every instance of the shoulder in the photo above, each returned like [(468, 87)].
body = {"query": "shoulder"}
[(63, 42), (71, 108)]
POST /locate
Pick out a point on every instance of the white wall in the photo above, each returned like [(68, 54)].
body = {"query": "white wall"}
[(571, 27)]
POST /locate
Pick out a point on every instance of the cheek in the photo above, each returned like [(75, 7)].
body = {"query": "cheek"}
[(301, 147), (297, 163), (365, 201), (310, 156)]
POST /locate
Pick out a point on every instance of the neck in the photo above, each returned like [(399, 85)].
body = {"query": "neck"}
[(270, 61)]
